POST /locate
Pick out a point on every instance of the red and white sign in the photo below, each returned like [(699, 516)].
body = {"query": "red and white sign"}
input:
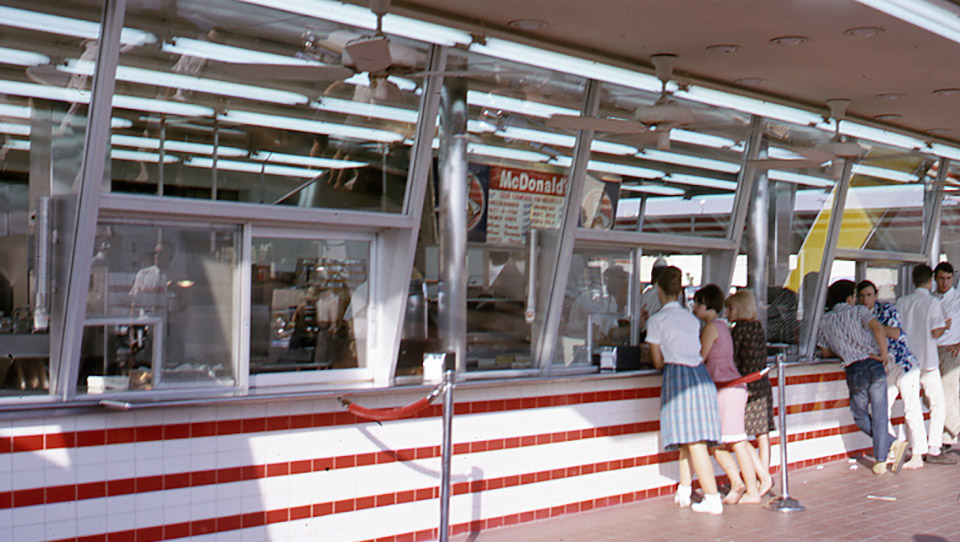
[(521, 199)]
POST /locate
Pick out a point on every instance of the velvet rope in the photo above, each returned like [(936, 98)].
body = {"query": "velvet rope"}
[(385, 414), (752, 377)]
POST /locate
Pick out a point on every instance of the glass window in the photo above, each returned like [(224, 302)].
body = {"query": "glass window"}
[(309, 302), (596, 308), (161, 308), (43, 120), (277, 106), (518, 181)]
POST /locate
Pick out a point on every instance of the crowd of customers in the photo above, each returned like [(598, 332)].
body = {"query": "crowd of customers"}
[(716, 395)]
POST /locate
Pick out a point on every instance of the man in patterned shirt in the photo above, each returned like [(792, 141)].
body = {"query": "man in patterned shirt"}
[(903, 374), (850, 332)]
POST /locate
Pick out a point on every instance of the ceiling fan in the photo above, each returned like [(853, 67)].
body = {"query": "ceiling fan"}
[(374, 55), (817, 154), (656, 120)]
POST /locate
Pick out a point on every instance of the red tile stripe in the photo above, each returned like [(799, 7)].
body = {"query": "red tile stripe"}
[(125, 435), (243, 521), (153, 433), (92, 490)]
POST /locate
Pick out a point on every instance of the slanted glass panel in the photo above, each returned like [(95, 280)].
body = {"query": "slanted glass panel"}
[(43, 122), (161, 308), (309, 301), (518, 182), (237, 101), (950, 218), (674, 161)]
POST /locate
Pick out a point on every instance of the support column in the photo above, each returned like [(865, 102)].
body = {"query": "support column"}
[(812, 315), (452, 306), (932, 203), (78, 228), (757, 238)]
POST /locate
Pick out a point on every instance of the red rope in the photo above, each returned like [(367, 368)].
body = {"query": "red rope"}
[(384, 414), (752, 377)]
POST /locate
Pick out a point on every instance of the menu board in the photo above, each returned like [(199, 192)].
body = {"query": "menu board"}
[(522, 199)]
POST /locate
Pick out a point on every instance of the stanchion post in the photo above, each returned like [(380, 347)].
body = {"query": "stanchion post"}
[(784, 503), (447, 454)]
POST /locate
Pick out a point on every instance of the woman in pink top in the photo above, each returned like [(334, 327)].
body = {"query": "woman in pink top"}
[(716, 346)]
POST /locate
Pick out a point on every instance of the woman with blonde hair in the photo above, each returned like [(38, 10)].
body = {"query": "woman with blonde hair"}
[(689, 418), (750, 354)]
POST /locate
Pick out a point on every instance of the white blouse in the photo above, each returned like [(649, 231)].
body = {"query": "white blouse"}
[(677, 331)]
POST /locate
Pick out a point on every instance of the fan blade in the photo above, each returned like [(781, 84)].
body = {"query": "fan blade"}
[(668, 113), (286, 72), (784, 163), (616, 126), (48, 74), (842, 149), (368, 54)]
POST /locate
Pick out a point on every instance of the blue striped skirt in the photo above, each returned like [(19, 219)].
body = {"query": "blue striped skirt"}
[(688, 407)]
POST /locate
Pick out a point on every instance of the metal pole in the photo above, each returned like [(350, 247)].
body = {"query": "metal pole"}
[(812, 315), (932, 205), (784, 503), (447, 453), (757, 234), (162, 148), (216, 158), (452, 305)]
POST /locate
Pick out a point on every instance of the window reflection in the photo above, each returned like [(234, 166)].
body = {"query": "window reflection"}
[(309, 305), (160, 308)]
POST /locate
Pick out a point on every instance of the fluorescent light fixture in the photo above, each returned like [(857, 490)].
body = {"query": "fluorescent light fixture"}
[(310, 161), (190, 82), (652, 189), (533, 56), (174, 146), (796, 178), (696, 180), (506, 153), (364, 18), (161, 106), (311, 126), (926, 15), (516, 105), (749, 105), (78, 28), (704, 140), (881, 136), (254, 167), (692, 161), (70, 95), (139, 156), (776, 153), (22, 58), (16, 145), (15, 111), (228, 53), (348, 107), (945, 151), (620, 169), (883, 173), (561, 140), (14, 129)]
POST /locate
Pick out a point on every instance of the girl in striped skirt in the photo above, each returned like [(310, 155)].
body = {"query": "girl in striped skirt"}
[(689, 417)]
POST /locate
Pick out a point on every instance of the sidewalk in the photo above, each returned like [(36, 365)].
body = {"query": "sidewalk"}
[(927, 509)]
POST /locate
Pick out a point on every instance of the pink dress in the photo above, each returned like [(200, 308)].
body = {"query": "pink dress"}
[(732, 400)]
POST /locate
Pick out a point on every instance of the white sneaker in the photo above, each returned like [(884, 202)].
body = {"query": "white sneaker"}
[(711, 504), (682, 497)]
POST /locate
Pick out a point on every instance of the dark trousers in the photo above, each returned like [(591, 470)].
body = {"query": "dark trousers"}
[(867, 382)]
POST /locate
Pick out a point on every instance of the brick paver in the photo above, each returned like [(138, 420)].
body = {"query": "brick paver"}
[(927, 509)]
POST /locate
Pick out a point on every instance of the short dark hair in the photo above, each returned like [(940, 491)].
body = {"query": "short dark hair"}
[(710, 296), (944, 267), (670, 281), (864, 284), (840, 291), (656, 272), (922, 274)]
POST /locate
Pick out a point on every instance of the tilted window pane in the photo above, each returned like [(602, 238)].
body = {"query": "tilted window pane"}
[(268, 105), (43, 120), (161, 309)]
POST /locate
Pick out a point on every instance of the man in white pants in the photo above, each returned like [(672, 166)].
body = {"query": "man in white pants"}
[(903, 376), (924, 322), (949, 347)]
